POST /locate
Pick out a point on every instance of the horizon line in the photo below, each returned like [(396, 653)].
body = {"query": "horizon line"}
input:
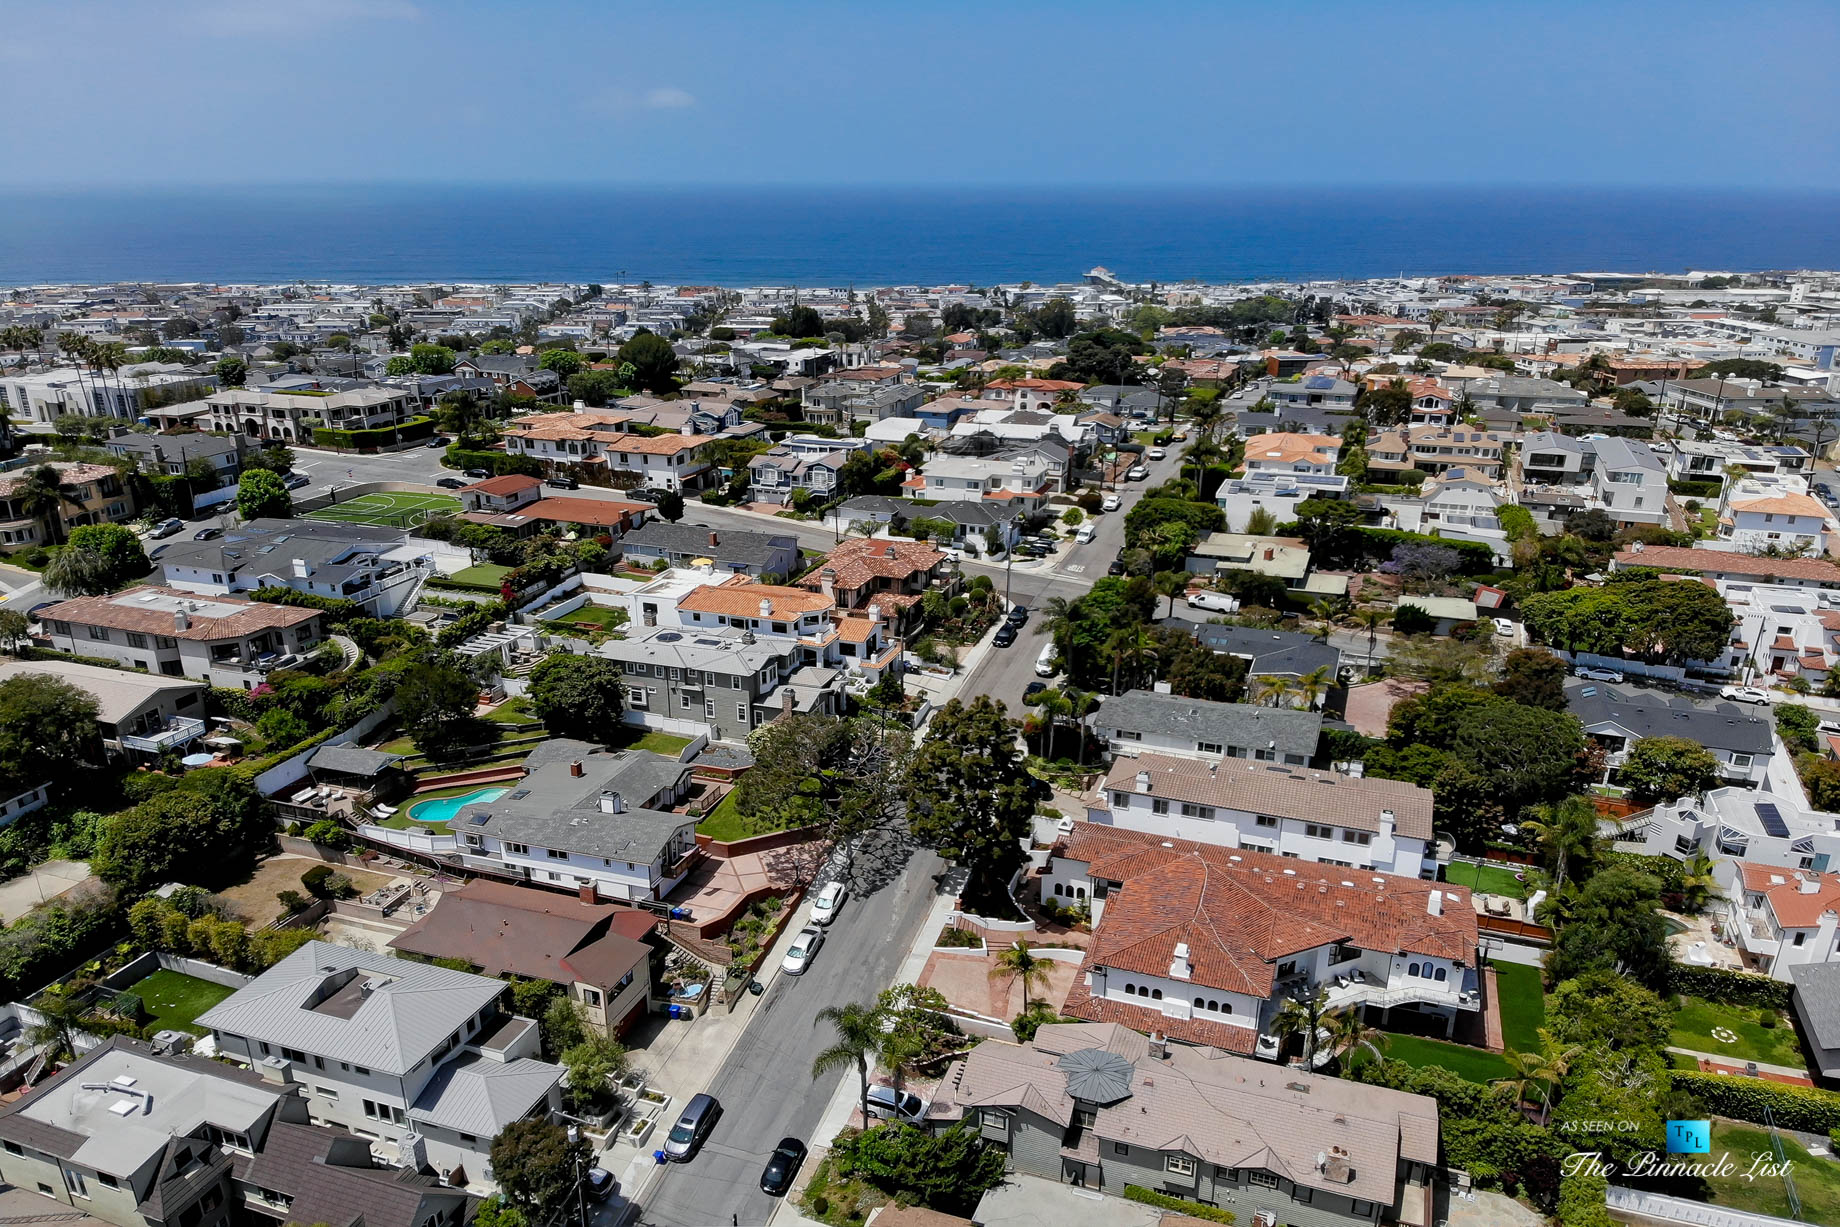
[(1076, 188)]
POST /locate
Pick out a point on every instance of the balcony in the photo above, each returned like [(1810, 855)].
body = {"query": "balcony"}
[(179, 731), (1407, 991)]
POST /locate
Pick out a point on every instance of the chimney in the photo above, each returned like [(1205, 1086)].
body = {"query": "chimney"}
[(1270, 553), (1386, 824), (586, 893), (1179, 966), (1809, 886), (827, 582), (575, 769), (278, 1070), (713, 539), (1143, 781), (787, 699), (611, 802), (1434, 903), (766, 607), (182, 621), (301, 569)]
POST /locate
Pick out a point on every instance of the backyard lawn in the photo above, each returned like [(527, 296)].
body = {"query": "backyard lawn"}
[(1473, 1064), (1485, 879), (723, 822), (632, 737), (1817, 1178), (174, 999), (1522, 1003), (253, 899), (1696, 1020), (485, 576)]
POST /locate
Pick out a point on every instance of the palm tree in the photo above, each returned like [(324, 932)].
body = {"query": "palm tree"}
[(1019, 965), (1301, 1015), (1324, 612), (1567, 833), (1542, 1070), (1435, 320), (1371, 620), (43, 494), (1348, 1030), (61, 1017), (859, 1036), (1697, 883), (1053, 705), (1138, 647), (1170, 584), (1312, 684), (77, 348), (110, 356), (1277, 688)]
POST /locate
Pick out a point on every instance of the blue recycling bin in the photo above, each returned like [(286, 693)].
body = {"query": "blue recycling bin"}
[(677, 1011)]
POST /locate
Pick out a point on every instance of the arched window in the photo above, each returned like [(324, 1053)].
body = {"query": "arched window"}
[(1156, 994), (1226, 1007), (1440, 976), (1130, 990), (1412, 969), (1079, 892), (1059, 889)]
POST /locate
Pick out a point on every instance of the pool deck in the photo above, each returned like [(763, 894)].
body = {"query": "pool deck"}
[(456, 804)]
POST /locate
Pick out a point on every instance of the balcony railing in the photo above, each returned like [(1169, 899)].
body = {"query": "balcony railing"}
[(1426, 993), (179, 731)]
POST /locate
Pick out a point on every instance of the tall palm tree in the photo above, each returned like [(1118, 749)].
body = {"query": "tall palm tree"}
[(859, 1036), (1542, 1069), (1433, 321), (1312, 685), (1567, 834), (1697, 883), (1019, 965), (1053, 705), (1136, 647), (1371, 620), (1348, 1031), (1275, 690), (43, 494), (1170, 584), (1301, 1015), (110, 356), (76, 348), (1324, 612)]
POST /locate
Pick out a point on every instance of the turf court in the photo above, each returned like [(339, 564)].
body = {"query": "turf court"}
[(390, 509)]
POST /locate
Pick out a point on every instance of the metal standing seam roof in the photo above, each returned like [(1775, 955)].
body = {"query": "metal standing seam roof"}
[(1097, 1076), (411, 1010), (480, 1095)]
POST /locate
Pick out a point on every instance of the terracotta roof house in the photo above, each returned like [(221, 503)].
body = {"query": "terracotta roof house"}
[(223, 640), (596, 951), (885, 573), (1204, 942)]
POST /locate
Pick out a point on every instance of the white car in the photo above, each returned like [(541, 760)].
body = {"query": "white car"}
[(1504, 628), (1744, 694), (1181, 436), (804, 949), (1110, 502), (1156, 453), (1597, 675), (827, 903), (1137, 473)]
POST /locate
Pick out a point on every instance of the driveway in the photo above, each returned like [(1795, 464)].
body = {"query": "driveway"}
[(43, 884)]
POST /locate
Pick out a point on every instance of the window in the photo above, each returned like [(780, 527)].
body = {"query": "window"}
[(557, 854), (1357, 837), (1412, 970), (1800, 938), (1159, 806), (591, 996), (1265, 756), (1361, 1209), (1120, 1148), (1129, 735), (14, 1148), (73, 1180), (1197, 811), (518, 849), (136, 639), (741, 712), (1180, 1165), (1316, 830), (1440, 975), (1741, 761), (1265, 1180), (1266, 820), (1121, 800), (99, 632), (107, 1181), (1085, 1118), (359, 1069), (326, 1092), (1207, 747)]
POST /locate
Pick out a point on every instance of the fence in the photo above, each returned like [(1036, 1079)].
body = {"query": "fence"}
[(1629, 668), (291, 771), (1655, 1207)]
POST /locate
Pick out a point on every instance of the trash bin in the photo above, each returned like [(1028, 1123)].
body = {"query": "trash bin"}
[(677, 1011)]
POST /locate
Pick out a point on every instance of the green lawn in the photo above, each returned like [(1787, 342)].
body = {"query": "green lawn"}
[(723, 822), (398, 509), (485, 576), (1523, 1005), (174, 999), (1485, 879), (667, 744), (1817, 1179), (1695, 1020), (603, 616), (1472, 1064), (512, 711)]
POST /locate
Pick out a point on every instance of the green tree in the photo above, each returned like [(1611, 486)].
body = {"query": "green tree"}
[(231, 372), (1614, 924), (859, 1037), (1534, 677), (578, 696), (538, 1169), (435, 697), (43, 495), (653, 360), (1798, 726), (564, 362), (948, 1171), (1019, 965), (98, 558), (1566, 834), (669, 505), (15, 628), (970, 798), (261, 494), (47, 728), (432, 360), (594, 1062), (1667, 768), (1601, 1009)]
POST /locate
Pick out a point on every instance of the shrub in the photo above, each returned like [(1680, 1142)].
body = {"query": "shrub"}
[(1729, 987), (293, 901), (1766, 1018), (328, 833), (314, 880), (338, 886), (1581, 1199), (820, 1205), (412, 428), (1792, 1107), (1181, 1205)]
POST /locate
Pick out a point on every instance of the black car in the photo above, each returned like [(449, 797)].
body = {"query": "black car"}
[(1117, 567), (1017, 615), (1033, 689), (563, 483), (476, 474), (453, 483), (208, 533), (437, 441), (600, 1183), (1006, 635), (782, 1165)]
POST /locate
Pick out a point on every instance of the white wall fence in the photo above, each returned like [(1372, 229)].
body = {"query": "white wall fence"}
[(1629, 668), (1656, 1208), (292, 771), (422, 843)]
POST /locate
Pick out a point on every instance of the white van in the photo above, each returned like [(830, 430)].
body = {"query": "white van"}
[(1085, 533), (1214, 602), (1044, 664)]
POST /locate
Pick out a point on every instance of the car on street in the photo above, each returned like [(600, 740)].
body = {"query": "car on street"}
[(828, 902), (1157, 453), (437, 441), (1117, 567), (782, 1165), (1597, 675), (453, 483), (1212, 602), (41, 607), (1033, 689), (1017, 615), (1084, 534), (1006, 635), (1137, 472), (477, 474), (209, 532), (561, 482), (686, 1136), (1181, 436), (600, 1184), (804, 948), (886, 1103), (1111, 502), (1044, 664), (166, 528), (643, 495), (1504, 627), (1744, 694), (295, 481)]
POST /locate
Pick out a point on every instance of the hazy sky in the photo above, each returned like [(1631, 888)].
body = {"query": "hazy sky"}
[(1130, 92)]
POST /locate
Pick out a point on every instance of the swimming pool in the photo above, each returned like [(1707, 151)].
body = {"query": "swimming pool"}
[(443, 809)]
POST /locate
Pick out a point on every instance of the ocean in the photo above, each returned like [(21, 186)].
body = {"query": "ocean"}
[(892, 236)]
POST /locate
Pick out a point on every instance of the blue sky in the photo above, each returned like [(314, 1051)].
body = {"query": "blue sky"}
[(192, 92)]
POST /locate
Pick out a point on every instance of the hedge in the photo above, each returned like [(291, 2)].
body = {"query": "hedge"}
[(1789, 1107), (1582, 1199), (498, 463), (1729, 987), (1475, 556), (417, 427), (1181, 1205), (338, 609), (1695, 489), (1517, 522)]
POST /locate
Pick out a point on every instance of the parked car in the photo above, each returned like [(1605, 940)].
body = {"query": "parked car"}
[(563, 482), (687, 1135), (643, 495), (1033, 689), (209, 532), (1084, 534), (600, 1184), (1181, 436), (295, 481), (828, 902), (1110, 502), (1044, 664), (804, 948), (1597, 675), (1744, 694), (1156, 453), (1117, 567), (41, 607), (1006, 635), (886, 1103), (1504, 627), (478, 474), (1137, 472), (437, 441), (1017, 615), (166, 528), (453, 483), (782, 1165), (1213, 602)]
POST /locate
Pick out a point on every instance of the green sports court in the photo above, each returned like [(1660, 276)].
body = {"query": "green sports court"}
[(389, 509)]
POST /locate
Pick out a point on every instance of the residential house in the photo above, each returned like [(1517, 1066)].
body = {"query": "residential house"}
[(1460, 504), (942, 414), (839, 404), (1763, 513), (606, 824), (1817, 1007), (1321, 816), (176, 455), (1781, 918), (598, 953), (722, 681), (605, 442), (1100, 1107), (379, 568), (881, 572), (1292, 453), (323, 1175), (1139, 721), (730, 551), (776, 474), (43, 397), (1024, 482), (1313, 391), (225, 640), (1782, 632), (1247, 930), (1550, 459), (93, 494), (807, 616), (1709, 400), (139, 716), (1740, 824), (1721, 566), (409, 1053), (1041, 394), (1629, 482), (1516, 395), (290, 415), (1292, 655), (504, 493), (1617, 718), (1282, 558), (1711, 459)]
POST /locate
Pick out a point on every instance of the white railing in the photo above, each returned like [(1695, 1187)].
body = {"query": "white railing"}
[(179, 731), (1383, 995), (1657, 1208)]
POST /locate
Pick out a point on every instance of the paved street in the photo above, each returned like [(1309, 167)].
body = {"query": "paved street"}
[(765, 1087), (421, 464)]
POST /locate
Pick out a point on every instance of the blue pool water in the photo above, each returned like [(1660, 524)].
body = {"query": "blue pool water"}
[(443, 809)]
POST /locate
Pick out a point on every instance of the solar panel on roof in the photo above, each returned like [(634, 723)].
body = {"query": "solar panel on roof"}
[(1773, 824)]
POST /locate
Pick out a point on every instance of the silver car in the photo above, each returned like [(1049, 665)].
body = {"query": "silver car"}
[(804, 948)]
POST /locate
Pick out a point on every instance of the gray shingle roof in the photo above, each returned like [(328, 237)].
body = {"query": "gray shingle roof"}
[(317, 1167), (1817, 989), (1723, 727), (1227, 724), (730, 545), (551, 807), (1271, 652), (411, 1009), (350, 760)]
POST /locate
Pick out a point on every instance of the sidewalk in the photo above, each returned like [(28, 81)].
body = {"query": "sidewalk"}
[(1715, 1063)]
